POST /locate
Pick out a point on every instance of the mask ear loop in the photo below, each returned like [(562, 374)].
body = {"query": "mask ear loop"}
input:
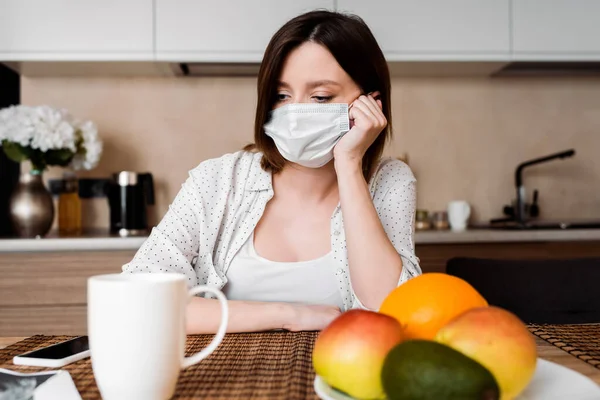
[(350, 120)]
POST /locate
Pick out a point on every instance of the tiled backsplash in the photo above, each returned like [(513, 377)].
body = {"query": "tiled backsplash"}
[(464, 137)]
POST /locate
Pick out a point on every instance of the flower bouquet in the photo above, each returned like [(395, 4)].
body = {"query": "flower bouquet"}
[(44, 136), (47, 136)]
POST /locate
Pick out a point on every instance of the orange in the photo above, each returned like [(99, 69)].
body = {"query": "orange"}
[(424, 304)]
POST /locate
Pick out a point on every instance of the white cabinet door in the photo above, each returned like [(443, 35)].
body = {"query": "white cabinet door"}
[(222, 30), (452, 30), (76, 29), (556, 29)]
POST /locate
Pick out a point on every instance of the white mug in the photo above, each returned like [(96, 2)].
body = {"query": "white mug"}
[(136, 329), (458, 214)]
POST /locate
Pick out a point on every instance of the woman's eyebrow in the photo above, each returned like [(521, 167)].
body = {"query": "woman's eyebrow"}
[(324, 82), (310, 85)]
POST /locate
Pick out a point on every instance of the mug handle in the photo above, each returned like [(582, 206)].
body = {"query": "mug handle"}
[(196, 358)]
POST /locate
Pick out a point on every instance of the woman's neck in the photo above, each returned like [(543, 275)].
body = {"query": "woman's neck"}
[(312, 184)]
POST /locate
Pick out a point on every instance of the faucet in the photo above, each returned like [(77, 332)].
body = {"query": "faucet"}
[(520, 210)]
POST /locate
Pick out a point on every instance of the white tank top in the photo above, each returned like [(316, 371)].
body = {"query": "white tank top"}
[(253, 278)]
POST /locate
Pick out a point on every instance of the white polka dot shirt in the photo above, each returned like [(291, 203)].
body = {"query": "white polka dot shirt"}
[(222, 201)]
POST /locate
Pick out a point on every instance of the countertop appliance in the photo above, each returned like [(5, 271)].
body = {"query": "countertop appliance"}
[(129, 195)]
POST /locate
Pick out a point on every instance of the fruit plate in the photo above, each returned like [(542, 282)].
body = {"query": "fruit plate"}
[(550, 382)]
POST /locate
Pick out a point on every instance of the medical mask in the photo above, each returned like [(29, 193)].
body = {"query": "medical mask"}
[(306, 133)]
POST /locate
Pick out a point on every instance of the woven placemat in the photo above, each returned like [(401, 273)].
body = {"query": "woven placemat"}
[(581, 341), (270, 365)]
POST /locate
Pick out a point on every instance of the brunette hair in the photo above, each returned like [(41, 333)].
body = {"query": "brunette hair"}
[(354, 47)]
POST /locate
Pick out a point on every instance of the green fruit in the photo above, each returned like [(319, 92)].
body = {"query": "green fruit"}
[(425, 370)]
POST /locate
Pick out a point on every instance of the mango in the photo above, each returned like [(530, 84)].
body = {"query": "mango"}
[(349, 353), (499, 341)]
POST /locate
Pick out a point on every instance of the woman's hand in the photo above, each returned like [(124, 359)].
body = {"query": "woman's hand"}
[(367, 121), (311, 317)]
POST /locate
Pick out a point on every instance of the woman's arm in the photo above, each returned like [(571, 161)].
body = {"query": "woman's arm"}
[(180, 245), (174, 245), (375, 265), (204, 316)]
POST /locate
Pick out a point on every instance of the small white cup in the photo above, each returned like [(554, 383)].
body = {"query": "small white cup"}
[(136, 328), (458, 215)]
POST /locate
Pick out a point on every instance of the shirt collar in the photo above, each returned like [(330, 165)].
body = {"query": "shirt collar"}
[(259, 179)]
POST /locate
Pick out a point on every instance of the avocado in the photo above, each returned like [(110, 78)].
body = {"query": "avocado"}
[(427, 370)]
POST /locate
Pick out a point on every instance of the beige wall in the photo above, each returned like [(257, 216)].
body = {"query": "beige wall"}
[(463, 137)]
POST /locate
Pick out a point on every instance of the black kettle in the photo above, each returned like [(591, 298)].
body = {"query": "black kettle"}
[(129, 195)]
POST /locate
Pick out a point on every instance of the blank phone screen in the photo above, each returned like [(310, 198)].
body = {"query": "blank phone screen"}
[(61, 350)]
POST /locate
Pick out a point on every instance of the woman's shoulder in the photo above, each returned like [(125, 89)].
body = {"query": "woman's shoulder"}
[(229, 161), (391, 172), (232, 170), (392, 177)]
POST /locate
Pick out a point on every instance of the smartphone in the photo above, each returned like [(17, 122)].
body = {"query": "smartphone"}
[(57, 355)]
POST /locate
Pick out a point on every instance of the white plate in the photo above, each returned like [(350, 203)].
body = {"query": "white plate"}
[(550, 382)]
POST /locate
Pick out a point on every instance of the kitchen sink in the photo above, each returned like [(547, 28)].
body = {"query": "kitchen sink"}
[(546, 225)]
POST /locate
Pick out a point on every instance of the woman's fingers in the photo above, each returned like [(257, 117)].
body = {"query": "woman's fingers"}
[(376, 108), (355, 113), (361, 109), (371, 108)]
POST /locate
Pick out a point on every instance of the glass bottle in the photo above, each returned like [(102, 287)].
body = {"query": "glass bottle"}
[(422, 221), (69, 207)]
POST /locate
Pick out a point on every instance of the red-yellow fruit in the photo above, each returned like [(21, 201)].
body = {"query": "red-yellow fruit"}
[(499, 341), (349, 353)]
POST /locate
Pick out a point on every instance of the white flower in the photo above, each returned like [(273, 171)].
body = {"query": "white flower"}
[(53, 130), (44, 128), (14, 126), (88, 156)]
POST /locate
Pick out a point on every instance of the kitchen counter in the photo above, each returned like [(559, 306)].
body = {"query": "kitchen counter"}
[(100, 240), (92, 240), (506, 236)]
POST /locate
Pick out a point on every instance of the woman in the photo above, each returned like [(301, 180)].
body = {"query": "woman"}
[(309, 221)]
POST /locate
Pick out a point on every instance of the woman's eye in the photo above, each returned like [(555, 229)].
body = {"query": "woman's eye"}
[(282, 97), (322, 99)]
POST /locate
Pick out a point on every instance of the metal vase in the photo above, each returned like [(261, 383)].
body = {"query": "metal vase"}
[(31, 206)]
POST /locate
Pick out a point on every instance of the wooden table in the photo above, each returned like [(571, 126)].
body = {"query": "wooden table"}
[(545, 350), (274, 365), (556, 355), (7, 341)]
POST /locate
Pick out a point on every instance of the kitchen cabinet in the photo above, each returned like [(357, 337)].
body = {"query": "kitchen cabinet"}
[(556, 30), (222, 31), (433, 257), (458, 30), (54, 30), (462, 32), (46, 292)]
